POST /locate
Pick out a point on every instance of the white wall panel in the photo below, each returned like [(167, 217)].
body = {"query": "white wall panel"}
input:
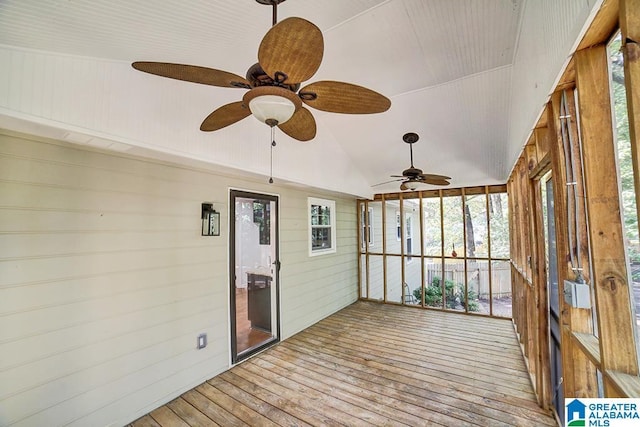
[(548, 32), (105, 281), (105, 99)]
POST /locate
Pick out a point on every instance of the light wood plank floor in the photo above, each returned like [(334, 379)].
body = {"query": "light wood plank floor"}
[(246, 335), (372, 364)]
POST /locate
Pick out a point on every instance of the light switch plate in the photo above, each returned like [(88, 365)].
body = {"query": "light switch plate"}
[(202, 341)]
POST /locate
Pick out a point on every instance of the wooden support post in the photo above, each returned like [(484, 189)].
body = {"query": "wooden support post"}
[(578, 373), (630, 28), (610, 276), (384, 248), (361, 223), (403, 240), (442, 249), (543, 377)]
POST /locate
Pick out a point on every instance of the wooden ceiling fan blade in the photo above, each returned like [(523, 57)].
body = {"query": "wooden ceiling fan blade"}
[(301, 126), (435, 181), (192, 73), (434, 176), (224, 116), (340, 97), (295, 47), (388, 182)]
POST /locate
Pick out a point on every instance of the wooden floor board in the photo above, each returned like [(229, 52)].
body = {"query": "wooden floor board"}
[(413, 365), (427, 399), (372, 364), (439, 354)]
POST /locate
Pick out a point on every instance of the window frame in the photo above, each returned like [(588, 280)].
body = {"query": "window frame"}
[(408, 231), (331, 205), (367, 235)]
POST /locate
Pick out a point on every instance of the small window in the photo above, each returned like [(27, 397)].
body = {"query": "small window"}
[(366, 234), (322, 226), (409, 236)]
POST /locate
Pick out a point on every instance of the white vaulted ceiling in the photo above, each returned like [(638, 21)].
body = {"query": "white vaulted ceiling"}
[(446, 65)]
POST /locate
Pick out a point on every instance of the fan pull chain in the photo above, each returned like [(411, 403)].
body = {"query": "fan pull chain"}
[(273, 144)]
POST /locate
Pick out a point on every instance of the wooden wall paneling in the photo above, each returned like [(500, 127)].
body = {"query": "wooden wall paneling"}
[(542, 142), (515, 273), (560, 196), (488, 218), (525, 223), (610, 277), (578, 371), (568, 79), (581, 248), (523, 176), (531, 153), (630, 28), (603, 25), (543, 377), (542, 148), (514, 309), (534, 317)]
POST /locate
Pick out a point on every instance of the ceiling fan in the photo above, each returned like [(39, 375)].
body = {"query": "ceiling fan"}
[(290, 53), (413, 176)]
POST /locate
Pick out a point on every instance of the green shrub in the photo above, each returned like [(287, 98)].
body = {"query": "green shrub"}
[(454, 295)]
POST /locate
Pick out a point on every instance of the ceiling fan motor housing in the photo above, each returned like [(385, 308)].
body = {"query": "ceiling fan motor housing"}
[(410, 137), (257, 77), (412, 172)]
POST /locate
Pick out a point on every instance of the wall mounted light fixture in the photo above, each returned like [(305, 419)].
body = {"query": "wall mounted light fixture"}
[(210, 220)]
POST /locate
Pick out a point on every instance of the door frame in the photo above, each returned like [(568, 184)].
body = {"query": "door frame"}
[(555, 347), (233, 194)]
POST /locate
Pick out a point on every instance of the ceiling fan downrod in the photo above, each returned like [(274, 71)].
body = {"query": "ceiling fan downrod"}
[(275, 4), (411, 138)]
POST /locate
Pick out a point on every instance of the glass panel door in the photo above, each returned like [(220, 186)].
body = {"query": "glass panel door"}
[(254, 276)]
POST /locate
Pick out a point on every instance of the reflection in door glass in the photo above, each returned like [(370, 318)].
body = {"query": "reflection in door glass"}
[(255, 261)]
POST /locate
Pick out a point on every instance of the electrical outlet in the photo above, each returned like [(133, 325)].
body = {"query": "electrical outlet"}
[(202, 341)]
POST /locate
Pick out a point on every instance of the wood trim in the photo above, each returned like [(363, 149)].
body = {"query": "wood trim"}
[(499, 188), (421, 250), (367, 252), (463, 199), (610, 276), (589, 345), (543, 377), (442, 247), (359, 206), (384, 247), (630, 28), (603, 25), (486, 198), (627, 385)]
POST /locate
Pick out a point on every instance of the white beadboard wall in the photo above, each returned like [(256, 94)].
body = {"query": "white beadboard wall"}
[(103, 98), (549, 30), (105, 281)]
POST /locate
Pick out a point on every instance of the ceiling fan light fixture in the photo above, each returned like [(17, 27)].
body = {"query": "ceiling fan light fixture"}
[(272, 109), (271, 104)]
